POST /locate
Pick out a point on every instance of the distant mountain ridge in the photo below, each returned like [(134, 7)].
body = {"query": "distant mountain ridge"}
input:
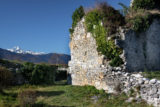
[(19, 55), (17, 49)]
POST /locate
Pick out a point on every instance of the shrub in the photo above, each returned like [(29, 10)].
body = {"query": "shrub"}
[(27, 98), (140, 23), (38, 73), (112, 19), (43, 74), (93, 18), (103, 13), (26, 70), (102, 22), (6, 78), (146, 4), (76, 17), (116, 61)]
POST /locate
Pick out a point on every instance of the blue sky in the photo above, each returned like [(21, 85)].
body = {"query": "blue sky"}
[(40, 25)]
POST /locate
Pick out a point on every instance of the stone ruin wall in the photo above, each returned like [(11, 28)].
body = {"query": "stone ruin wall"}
[(140, 52)]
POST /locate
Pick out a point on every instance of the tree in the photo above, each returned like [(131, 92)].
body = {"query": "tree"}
[(27, 70), (43, 74), (6, 78)]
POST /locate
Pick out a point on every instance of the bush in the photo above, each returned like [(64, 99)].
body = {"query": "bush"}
[(43, 74), (76, 17), (140, 23), (6, 78), (38, 73), (27, 98), (116, 61), (103, 13), (102, 22), (26, 71), (146, 4), (92, 18), (112, 19)]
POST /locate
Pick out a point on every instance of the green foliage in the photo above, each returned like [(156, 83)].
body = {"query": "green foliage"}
[(140, 20), (132, 93), (112, 19), (146, 4), (27, 70), (76, 17), (6, 78), (43, 74), (39, 73), (116, 61), (93, 21), (152, 74), (93, 91), (10, 64), (140, 23)]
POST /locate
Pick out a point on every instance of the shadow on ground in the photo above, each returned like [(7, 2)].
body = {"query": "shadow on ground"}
[(45, 105), (50, 93)]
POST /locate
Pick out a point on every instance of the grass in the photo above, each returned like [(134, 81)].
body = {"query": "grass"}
[(151, 75), (62, 95)]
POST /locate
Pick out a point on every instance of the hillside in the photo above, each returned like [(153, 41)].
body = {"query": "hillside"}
[(50, 58)]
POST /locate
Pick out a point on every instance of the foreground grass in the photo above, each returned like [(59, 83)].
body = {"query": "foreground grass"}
[(151, 75), (61, 95)]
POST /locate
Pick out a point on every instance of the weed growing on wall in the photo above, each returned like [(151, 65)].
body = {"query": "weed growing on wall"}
[(140, 23), (94, 21), (146, 4), (76, 17)]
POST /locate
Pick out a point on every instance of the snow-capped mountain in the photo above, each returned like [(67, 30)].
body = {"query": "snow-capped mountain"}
[(28, 56), (17, 49)]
